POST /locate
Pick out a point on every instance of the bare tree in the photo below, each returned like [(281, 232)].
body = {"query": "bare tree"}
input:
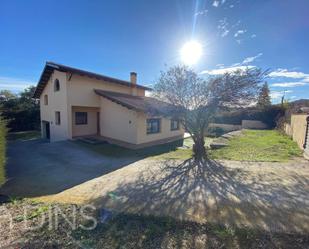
[(197, 100)]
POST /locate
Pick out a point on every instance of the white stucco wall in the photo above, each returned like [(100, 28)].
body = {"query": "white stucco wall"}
[(57, 101), (81, 90), (91, 127), (143, 137), (118, 122)]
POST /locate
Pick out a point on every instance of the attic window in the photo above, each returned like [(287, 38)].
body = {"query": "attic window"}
[(45, 99), (56, 85)]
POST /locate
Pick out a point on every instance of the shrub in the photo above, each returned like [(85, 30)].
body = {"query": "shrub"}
[(3, 131), (214, 132), (268, 115)]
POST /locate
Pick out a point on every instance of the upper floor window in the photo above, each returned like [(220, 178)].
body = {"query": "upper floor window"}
[(57, 118), (174, 125), (56, 85), (45, 99), (81, 118), (153, 125)]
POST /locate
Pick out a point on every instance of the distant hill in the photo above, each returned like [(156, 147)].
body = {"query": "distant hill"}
[(295, 106), (303, 102)]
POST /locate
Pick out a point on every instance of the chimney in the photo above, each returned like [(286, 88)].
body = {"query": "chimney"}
[(133, 77)]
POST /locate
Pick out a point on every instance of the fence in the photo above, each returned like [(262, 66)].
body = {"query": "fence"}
[(245, 124), (297, 129)]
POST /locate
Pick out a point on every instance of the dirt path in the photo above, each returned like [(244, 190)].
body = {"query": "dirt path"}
[(271, 196)]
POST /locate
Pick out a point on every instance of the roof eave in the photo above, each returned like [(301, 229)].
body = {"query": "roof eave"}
[(54, 66)]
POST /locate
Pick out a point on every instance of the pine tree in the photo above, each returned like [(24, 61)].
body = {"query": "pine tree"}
[(264, 97)]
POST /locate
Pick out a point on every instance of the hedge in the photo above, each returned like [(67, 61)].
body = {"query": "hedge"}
[(269, 116)]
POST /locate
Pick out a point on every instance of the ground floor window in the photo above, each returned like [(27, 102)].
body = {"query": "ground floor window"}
[(81, 118), (153, 125), (174, 125), (57, 118)]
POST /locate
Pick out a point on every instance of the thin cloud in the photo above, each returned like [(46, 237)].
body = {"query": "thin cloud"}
[(225, 33), (253, 35), (288, 74), (275, 95), (223, 27), (14, 84), (301, 78), (289, 84), (216, 3), (239, 32), (251, 59), (226, 70), (201, 13)]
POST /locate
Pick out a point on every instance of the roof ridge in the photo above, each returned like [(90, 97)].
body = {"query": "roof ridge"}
[(51, 66)]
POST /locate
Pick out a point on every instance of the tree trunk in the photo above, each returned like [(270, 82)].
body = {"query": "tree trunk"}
[(199, 150)]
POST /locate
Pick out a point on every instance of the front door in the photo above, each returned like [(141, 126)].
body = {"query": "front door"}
[(47, 130), (98, 123)]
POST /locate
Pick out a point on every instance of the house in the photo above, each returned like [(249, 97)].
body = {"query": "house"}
[(76, 103)]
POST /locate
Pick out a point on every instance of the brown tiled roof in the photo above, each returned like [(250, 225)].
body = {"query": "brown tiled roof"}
[(51, 66), (138, 103)]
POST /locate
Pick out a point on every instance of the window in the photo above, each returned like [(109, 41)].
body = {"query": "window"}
[(174, 125), (45, 99), (81, 118), (153, 125), (56, 85), (57, 118)]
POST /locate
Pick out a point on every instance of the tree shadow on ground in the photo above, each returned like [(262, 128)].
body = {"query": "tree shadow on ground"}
[(207, 191)]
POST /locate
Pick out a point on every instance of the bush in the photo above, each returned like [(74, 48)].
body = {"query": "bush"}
[(214, 132), (20, 112), (3, 131), (22, 120)]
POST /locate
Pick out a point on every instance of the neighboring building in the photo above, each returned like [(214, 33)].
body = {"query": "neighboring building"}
[(77, 103)]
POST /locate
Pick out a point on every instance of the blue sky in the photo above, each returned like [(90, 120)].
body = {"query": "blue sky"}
[(116, 37)]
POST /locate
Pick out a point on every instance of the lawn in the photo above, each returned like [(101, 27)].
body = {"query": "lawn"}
[(259, 145), (253, 145), (2, 151), (23, 135)]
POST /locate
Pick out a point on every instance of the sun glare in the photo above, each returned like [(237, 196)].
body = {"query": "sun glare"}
[(191, 52)]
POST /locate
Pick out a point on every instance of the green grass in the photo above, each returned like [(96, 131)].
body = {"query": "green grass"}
[(259, 145), (254, 145), (165, 151), (23, 135), (3, 131)]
